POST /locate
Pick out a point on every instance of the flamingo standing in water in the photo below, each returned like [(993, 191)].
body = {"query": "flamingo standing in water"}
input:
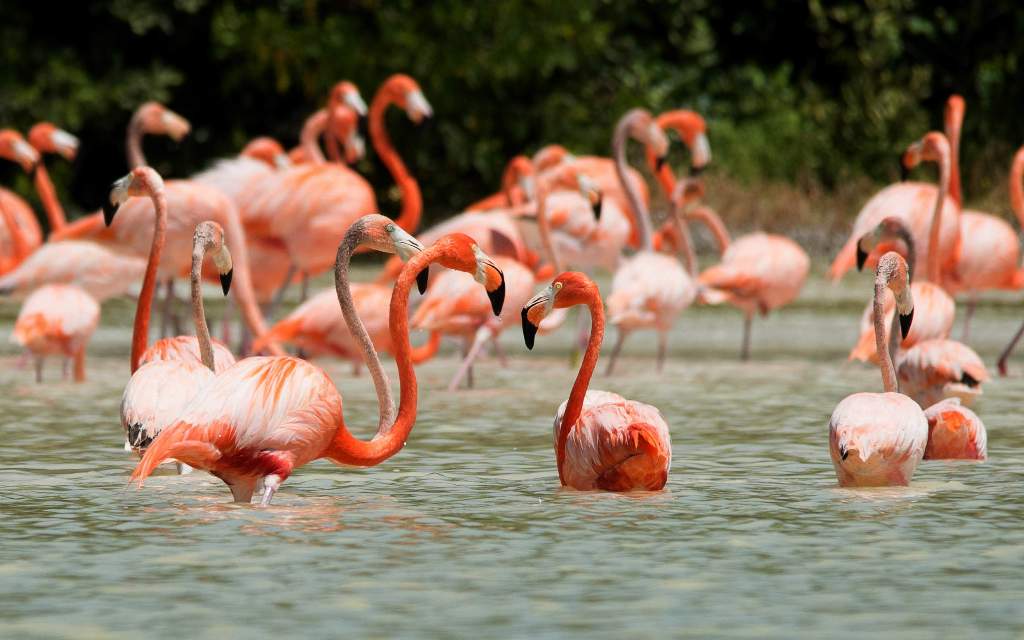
[(954, 433), (602, 440), (650, 289), (989, 247), (933, 368), (266, 416), (1017, 202), (935, 307), (877, 439), (57, 319), (188, 203)]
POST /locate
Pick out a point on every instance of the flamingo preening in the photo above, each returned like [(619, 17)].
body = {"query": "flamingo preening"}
[(266, 416), (878, 439), (602, 440)]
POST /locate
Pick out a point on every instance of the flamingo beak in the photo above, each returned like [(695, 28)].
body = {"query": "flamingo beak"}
[(533, 313), (697, 170), (660, 162), (905, 322), (497, 294), (904, 172), (354, 100), (65, 143), (422, 279), (417, 107), (118, 195), (862, 257), (489, 275), (529, 329), (598, 207), (225, 281)]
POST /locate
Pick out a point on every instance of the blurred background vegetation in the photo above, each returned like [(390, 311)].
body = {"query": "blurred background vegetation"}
[(808, 102)]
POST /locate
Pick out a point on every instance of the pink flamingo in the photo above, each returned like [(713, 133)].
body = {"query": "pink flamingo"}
[(935, 307), (989, 247), (877, 439), (170, 373), (47, 138), (266, 416), (650, 289), (12, 256), (188, 203), (57, 319), (516, 186), (954, 433), (602, 440), (345, 94), (14, 148), (758, 272)]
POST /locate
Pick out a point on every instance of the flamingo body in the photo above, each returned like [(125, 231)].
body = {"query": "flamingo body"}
[(955, 433), (156, 395), (876, 439), (186, 348), (758, 272), (933, 318), (989, 255), (25, 218), (57, 319), (615, 445), (100, 272), (933, 370), (648, 291)]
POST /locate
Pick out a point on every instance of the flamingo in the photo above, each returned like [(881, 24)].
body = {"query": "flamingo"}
[(649, 289), (877, 439), (602, 440), (338, 123), (168, 374), (343, 93), (935, 307), (519, 173), (188, 203), (57, 319), (11, 257), (266, 416), (14, 148), (955, 433), (47, 138), (989, 247), (757, 272)]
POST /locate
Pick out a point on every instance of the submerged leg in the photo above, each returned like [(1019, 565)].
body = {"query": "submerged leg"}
[(79, 370), (748, 321), (242, 489), (662, 349), (972, 301), (619, 339), (225, 321), (466, 368), (1008, 351), (39, 369)]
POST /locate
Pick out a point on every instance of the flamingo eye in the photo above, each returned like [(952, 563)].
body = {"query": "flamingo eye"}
[(557, 285), (390, 228)]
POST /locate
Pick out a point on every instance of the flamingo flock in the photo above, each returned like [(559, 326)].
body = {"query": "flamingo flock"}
[(268, 218)]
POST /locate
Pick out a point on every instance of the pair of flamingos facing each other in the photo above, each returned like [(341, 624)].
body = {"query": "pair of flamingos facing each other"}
[(257, 420)]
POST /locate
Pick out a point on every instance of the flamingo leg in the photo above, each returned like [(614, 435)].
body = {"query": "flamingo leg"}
[(662, 349), (39, 369), (972, 302), (242, 489), (79, 370), (225, 321), (65, 369), (748, 321), (169, 320), (357, 367), (466, 368), (1008, 351), (279, 296), (499, 352), (619, 339)]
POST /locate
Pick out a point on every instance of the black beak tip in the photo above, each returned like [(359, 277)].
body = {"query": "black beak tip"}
[(660, 162), (225, 281), (904, 173), (109, 209), (497, 297), (862, 257), (529, 331), (598, 207), (422, 278), (905, 322), (696, 171), (844, 453)]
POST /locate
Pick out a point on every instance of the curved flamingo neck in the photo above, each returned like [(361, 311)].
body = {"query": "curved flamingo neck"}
[(385, 401), (412, 199), (348, 449), (933, 271), (685, 248), (884, 359), (140, 334), (1017, 186), (954, 122), (574, 407), (134, 144), (544, 226), (198, 312), (311, 131), (48, 196), (710, 219), (19, 243), (640, 215)]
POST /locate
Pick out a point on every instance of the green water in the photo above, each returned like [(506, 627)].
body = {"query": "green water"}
[(466, 533)]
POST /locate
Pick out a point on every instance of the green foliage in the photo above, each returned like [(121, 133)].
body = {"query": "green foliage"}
[(810, 92)]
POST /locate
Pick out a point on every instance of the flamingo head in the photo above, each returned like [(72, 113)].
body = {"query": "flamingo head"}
[(347, 93), (641, 127), (954, 115), (156, 119), (209, 236), (14, 148), (892, 272), (551, 156), (462, 253), (692, 130), (933, 147), (568, 289), (343, 122), (380, 233), (591, 190), (519, 171), (889, 235), (406, 93), (140, 181), (267, 150), (47, 138)]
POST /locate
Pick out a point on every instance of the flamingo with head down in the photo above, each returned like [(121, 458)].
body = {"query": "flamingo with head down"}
[(878, 439), (602, 440), (266, 416)]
